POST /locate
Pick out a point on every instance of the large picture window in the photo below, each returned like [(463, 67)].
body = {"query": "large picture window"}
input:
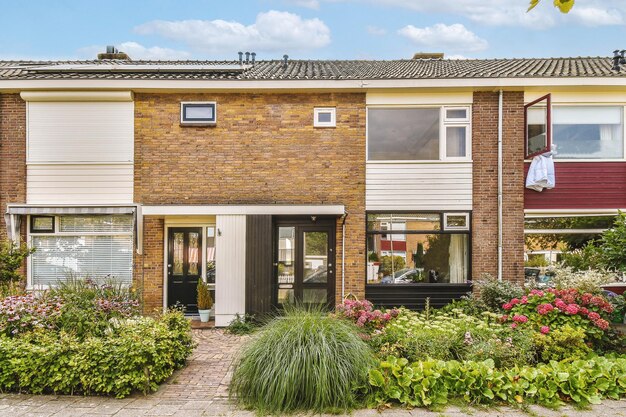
[(84, 247), (418, 134), (579, 132), (417, 252)]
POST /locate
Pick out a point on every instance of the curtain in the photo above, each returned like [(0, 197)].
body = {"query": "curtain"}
[(457, 258), (610, 140)]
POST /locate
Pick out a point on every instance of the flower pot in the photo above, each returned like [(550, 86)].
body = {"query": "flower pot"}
[(204, 315)]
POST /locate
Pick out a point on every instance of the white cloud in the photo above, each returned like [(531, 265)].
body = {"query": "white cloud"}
[(594, 16), (309, 4), (376, 31), (136, 51), (272, 31), (454, 37)]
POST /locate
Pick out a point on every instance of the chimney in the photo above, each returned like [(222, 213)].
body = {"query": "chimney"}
[(285, 60), (113, 53), (428, 55), (240, 58), (247, 57), (618, 59), (253, 55)]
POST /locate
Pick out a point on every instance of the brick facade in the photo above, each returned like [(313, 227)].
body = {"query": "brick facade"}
[(485, 185), (148, 268), (264, 150)]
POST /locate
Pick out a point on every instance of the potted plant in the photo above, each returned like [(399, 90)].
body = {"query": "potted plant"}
[(205, 302)]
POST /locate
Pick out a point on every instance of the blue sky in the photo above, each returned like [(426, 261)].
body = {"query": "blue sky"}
[(315, 29)]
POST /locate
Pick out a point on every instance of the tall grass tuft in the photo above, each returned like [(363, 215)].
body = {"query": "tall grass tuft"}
[(304, 360)]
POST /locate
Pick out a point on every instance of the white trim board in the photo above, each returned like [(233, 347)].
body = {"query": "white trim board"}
[(364, 84), (274, 209)]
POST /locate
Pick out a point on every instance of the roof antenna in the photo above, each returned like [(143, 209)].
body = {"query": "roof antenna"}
[(285, 59), (240, 58), (253, 55), (618, 59)]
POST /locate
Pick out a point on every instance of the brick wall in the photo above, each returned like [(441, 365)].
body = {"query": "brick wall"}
[(264, 150), (485, 185), (148, 268)]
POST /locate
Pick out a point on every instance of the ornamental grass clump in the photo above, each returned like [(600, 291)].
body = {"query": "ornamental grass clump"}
[(305, 360)]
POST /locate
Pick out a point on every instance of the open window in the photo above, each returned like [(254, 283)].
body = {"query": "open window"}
[(537, 119)]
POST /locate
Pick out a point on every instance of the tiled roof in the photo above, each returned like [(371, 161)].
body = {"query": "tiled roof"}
[(311, 70)]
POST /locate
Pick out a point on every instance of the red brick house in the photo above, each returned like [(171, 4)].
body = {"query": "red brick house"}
[(303, 180)]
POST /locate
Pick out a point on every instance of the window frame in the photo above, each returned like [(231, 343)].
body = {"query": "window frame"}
[(31, 222), (467, 232), (333, 116), (444, 122), (30, 285), (548, 99), (456, 228), (184, 121)]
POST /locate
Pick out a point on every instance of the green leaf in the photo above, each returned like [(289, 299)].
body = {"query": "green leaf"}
[(376, 378), (533, 4), (564, 5)]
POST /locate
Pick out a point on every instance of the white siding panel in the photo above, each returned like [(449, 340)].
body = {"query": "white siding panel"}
[(431, 186), (80, 184), (80, 131), (230, 268)]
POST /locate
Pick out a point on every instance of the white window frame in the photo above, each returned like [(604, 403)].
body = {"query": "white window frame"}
[(29, 238), (333, 116), (447, 227), (443, 123), (198, 122)]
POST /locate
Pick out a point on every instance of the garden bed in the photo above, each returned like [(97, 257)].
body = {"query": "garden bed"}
[(85, 338)]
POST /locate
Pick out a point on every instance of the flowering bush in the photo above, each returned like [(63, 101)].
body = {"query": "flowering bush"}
[(364, 315), (20, 314), (554, 308), (584, 281)]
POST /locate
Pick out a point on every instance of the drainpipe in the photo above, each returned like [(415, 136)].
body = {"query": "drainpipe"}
[(343, 255), (500, 96)]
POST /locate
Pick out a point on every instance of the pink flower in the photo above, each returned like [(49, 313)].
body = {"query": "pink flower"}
[(593, 316), (538, 293), (544, 330), (572, 309), (514, 301), (513, 325), (520, 318), (507, 306), (602, 324), (524, 300)]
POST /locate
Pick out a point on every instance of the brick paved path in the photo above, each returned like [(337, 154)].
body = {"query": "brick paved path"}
[(200, 389)]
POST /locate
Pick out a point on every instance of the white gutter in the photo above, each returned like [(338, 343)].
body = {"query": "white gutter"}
[(470, 83), (500, 96), (247, 209)]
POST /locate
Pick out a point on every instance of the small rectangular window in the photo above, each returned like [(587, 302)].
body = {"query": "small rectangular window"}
[(456, 221), (42, 224), (324, 117), (456, 140), (457, 114), (537, 117), (198, 113)]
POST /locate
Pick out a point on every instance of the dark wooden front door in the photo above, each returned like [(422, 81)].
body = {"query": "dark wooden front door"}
[(184, 266), (305, 263)]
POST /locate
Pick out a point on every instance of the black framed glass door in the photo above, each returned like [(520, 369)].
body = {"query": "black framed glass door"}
[(304, 263), (184, 266)]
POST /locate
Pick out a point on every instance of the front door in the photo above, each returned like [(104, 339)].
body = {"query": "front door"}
[(184, 266), (305, 263)]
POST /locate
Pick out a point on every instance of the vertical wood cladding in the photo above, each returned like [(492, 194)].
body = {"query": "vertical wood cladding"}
[(582, 185), (485, 185), (263, 150), (259, 264)]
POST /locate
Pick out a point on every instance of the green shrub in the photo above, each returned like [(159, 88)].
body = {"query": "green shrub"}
[(133, 355), (563, 343), (494, 293), (11, 259), (205, 302), (303, 361), (589, 280), (241, 325), (454, 335), (434, 383)]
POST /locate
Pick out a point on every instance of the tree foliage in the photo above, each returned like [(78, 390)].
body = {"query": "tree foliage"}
[(563, 5), (11, 258)]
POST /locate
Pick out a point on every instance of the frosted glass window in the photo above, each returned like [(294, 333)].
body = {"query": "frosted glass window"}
[(585, 132), (456, 139)]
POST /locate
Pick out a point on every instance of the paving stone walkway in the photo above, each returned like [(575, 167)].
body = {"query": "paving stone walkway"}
[(201, 389)]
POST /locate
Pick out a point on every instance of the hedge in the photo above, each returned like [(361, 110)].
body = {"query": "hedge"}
[(134, 355), (434, 383)]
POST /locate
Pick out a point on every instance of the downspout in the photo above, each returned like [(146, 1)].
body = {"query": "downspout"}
[(500, 117), (343, 255)]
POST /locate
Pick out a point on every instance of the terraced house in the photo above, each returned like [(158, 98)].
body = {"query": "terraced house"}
[(292, 180)]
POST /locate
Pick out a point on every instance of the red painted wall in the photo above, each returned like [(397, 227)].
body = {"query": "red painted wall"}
[(582, 185)]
